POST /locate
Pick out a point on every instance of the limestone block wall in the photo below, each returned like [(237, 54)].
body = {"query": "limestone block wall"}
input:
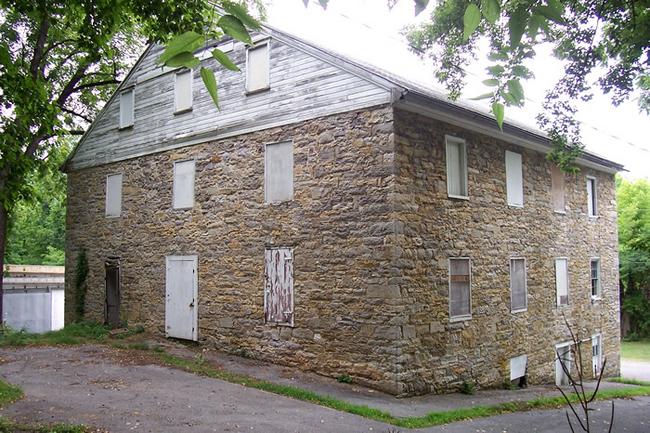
[(440, 355), (348, 307)]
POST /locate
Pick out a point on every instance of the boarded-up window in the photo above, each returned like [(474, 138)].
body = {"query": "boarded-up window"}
[(459, 289), (562, 281), (278, 289), (518, 294), (514, 179), (592, 197), (183, 91), (557, 188), (126, 108), (456, 167), (595, 278), (257, 68), (114, 195), (183, 191), (278, 172)]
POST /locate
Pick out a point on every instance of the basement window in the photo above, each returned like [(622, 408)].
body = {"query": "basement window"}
[(183, 190), (456, 153), (278, 287), (514, 180), (562, 281), (460, 307), (257, 68), (127, 101), (113, 195), (183, 92), (518, 290)]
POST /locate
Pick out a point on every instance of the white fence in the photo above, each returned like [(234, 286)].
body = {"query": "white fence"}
[(33, 297)]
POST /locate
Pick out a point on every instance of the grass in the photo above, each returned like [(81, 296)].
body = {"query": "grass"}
[(74, 333), (9, 393), (629, 381), (8, 426), (636, 350)]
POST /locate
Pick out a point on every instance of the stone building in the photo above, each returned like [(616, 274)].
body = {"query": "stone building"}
[(341, 220)]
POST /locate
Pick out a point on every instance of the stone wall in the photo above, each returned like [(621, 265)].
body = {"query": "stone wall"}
[(440, 355), (347, 304)]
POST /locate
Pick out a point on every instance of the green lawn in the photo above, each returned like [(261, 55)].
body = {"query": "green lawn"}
[(636, 350)]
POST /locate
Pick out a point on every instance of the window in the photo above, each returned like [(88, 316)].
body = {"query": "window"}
[(278, 172), (459, 289), (557, 189), (183, 190), (456, 167), (113, 195), (514, 179), (592, 197), (562, 281), (257, 68), (595, 278), (596, 354), (278, 288), (518, 293), (183, 91), (127, 100)]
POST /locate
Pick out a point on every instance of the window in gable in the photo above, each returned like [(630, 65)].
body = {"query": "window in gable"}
[(514, 179), (183, 189), (557, 189), (257, 68), (562, 281), (183, 91), (460, 289), (592, 197), (278, 172), (127, 100), (113, 195), (518, 291), (456, 152)]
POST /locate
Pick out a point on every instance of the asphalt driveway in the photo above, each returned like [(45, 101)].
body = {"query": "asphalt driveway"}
[(96, 386)]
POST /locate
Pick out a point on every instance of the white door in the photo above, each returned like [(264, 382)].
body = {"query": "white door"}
[(563, 356), (181, 297), (596, 354)]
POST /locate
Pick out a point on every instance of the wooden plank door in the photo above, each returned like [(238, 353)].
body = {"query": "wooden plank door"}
[(278, 290), (181, 309), (112, 295)]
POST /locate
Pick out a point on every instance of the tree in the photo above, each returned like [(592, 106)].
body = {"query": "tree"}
[(634, 252), (60, 60), (604, 43)]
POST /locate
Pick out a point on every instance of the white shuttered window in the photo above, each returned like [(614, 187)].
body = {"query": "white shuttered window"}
[(456, 152), (257, 68), (278, 172), (518, 293), (127, 100), (514, 179), (562, 281), (183, 191), (183, 91), (460, 289), (113, 195)]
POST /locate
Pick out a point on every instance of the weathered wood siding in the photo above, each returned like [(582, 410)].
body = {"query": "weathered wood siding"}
[(302, 86)]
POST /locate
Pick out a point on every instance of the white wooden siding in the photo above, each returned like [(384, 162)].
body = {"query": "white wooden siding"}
[(514, 179), (302, 86)]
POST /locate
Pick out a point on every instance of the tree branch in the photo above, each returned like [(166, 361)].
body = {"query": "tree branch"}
[(74, 113), (96, 84), (39, 45)]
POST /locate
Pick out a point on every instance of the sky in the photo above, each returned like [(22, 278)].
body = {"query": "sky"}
[(371, 32)]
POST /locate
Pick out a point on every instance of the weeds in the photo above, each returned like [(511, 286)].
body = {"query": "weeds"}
[(9, 393), (344, 378), (468, 388)]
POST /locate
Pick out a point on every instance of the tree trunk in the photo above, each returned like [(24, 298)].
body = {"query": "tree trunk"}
[(3, 238)]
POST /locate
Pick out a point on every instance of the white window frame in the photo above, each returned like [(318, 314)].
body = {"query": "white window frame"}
[(599, 338), (449, 139), (174, 184), (557, 292), (592, 197), (465, 316), (525, 308), (267, 174), (178, 110), (123, 124), (599, 289), (106, 195), (258, 45), (510, 194)]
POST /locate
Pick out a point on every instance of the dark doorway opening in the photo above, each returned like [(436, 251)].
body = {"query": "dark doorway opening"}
[(113, 292)]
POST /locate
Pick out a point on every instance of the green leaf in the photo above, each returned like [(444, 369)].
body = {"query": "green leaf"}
[(498, 111), (496, 70), (517, 26), (553, 11), (483, 96), (521, 71), (187, 60), (497, 56), (516, 90), (492, 82), (535, 23), (510, 100), (491, 10), (232, 26), (471, 20), (225, 61), (210, 84), (240, 11), (186, 42)]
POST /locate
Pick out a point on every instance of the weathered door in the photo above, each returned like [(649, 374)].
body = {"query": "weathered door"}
[(112, 294), (181, 297), (278, 290), (563, 354)]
